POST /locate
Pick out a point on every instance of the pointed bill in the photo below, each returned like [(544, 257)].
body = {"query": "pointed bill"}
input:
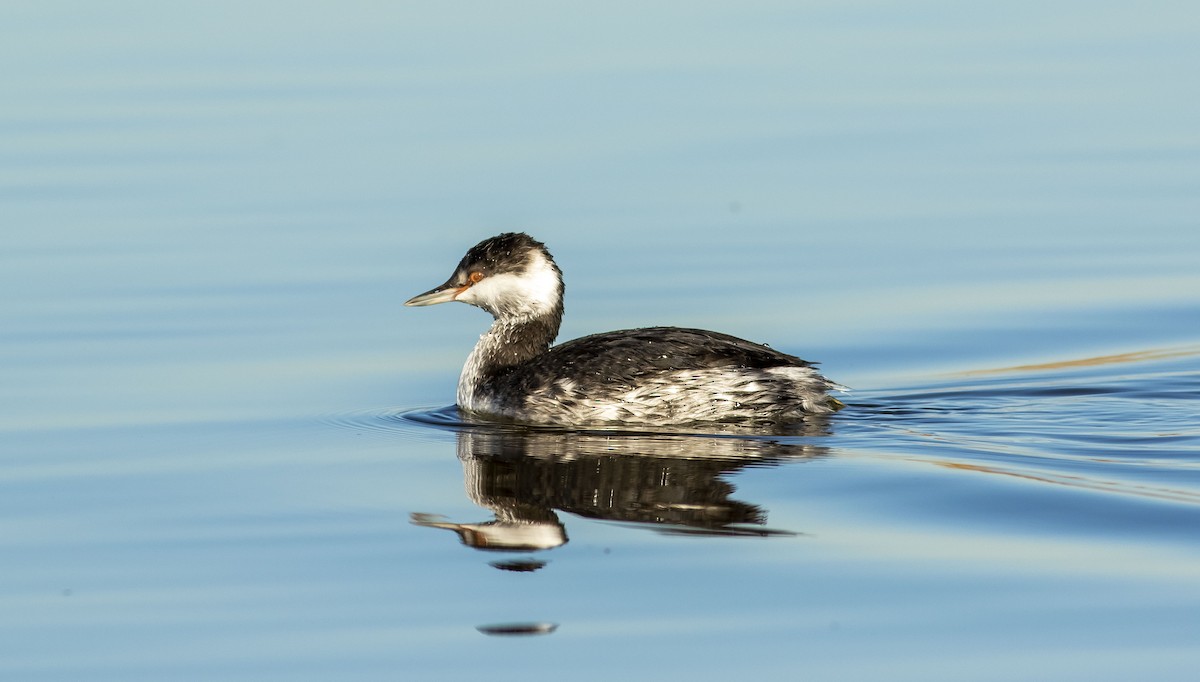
[(440, 294)]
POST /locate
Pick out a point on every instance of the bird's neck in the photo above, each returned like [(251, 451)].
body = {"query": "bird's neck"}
[(511, 341)]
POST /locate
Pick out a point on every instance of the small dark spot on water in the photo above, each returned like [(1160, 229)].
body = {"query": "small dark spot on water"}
[(517, 629), (519, 565)]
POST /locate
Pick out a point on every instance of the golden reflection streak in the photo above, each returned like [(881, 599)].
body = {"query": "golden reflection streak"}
[(1169, 494), (1119, 358)]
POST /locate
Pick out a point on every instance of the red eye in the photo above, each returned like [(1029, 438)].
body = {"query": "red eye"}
[(475, 277)]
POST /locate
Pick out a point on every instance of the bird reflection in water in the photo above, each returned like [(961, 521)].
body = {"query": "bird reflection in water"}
[(674, 482)]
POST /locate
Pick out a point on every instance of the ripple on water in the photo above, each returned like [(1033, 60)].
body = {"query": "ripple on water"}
[(1126, 425), (408, 423)]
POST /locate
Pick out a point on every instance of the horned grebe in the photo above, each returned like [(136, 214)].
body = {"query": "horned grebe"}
[(656, 375)]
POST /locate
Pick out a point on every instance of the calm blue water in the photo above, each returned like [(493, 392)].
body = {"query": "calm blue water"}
[(228, 453)]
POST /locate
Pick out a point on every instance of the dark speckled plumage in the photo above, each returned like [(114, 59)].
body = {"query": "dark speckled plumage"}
[(628, 356), (506, 253), (655, 375)]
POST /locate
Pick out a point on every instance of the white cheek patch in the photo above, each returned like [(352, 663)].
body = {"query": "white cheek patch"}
[(532, 293)]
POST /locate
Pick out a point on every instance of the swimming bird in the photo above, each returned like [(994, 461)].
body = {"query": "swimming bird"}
[(649, 376)]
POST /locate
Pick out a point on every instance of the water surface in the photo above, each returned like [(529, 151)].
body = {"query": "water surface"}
[(229, 453)]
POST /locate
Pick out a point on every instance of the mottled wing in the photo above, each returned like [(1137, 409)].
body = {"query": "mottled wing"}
[(629, 355)]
